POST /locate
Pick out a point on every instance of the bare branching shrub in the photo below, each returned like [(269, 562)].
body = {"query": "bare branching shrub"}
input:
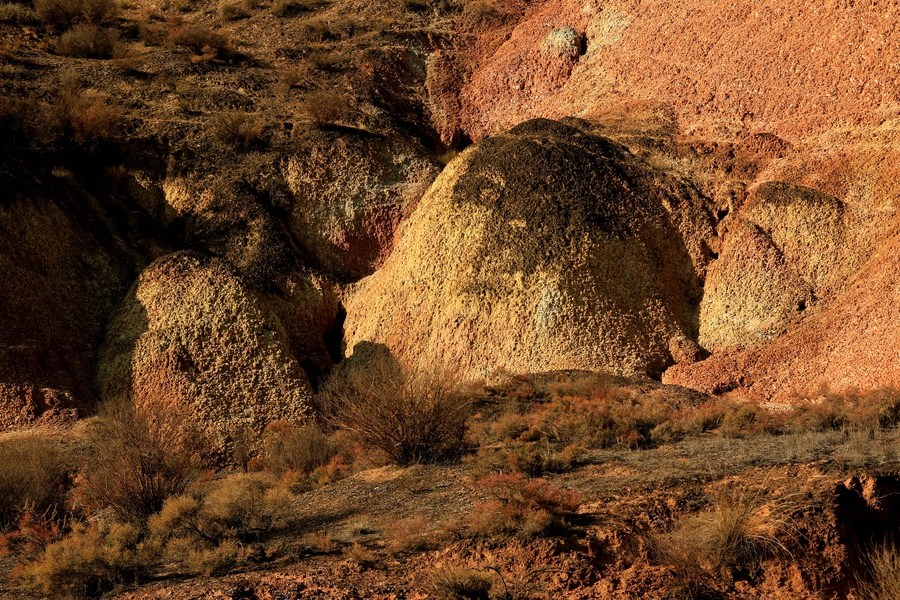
[(237, 128), (90, 561), (138, 458), (883, 581), (203, 42), (301, 449), (88, 41), (62, 14), (33, 478), (324, 109), (411, 417), (522, 505)]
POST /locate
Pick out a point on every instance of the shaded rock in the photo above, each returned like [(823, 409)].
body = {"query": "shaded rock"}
[(190, 333), (350, 192), (545, 248)]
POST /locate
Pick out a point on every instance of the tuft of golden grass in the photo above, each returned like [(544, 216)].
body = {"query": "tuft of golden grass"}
[(883, 581)]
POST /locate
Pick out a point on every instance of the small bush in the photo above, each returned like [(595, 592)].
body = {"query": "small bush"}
[(33, 479), (883, 581), (63, 14), (85, 117), (522, 505), (137, 459), (411, 417), (17, 14), (203, 42), (90, 561), (324, 109), (234, 11), (88, 41), (238, 129), (462, 584), (301, 449)]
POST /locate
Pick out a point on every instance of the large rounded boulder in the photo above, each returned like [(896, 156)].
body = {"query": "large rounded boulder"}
[(191, 334), (548, 247)]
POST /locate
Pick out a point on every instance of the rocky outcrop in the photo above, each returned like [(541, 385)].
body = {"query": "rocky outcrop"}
[(63, 270), (191, 333), (548, 247), (789, 68), (349, 194)]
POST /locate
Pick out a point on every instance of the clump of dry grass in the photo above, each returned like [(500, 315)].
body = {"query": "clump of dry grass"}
[(234, 11), (462, 584), (238, 129), (63, 14), (33, 478), (299, 449), (11, 12), (205, 43), (742, 530), (84, 116), (883, 582)]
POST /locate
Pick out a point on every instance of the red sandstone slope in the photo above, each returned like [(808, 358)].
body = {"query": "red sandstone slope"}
[(785, 67)]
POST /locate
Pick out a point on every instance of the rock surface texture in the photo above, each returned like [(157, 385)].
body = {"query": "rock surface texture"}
[(191, 334), (548, 247)]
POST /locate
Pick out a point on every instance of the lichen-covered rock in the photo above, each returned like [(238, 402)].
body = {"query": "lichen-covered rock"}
[(190, 333), (350, 192), (793, 247), (545, 248)]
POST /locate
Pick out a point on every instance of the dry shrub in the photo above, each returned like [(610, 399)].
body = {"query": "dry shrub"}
[(324, 109), (153, 34), (63, 14), (234, 11), (138, 458), (86, 117), (33, 478), (238, 129), (300, 449), (89, 41), (17, 14), (203, 42), (411, 417), (522, 505), (209, 531), (408, 535), (883, 582), (743, 529), (749, 419), (869, 411), (462, 584), (324, 28), (91, 560)]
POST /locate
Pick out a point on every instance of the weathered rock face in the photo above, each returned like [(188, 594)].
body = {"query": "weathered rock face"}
[(545, 248), (851, 342), (190, 333), (793, 248), (350, 192), (766, 66), (62, 272)]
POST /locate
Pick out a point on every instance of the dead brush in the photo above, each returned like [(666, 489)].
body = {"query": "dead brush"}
[(743, 529), (238, 129), (412, 417)]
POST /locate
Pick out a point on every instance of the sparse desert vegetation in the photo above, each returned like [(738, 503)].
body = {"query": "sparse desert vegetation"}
[(343, 299)]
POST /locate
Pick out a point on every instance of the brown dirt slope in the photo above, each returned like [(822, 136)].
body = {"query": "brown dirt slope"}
[(545, 248)]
